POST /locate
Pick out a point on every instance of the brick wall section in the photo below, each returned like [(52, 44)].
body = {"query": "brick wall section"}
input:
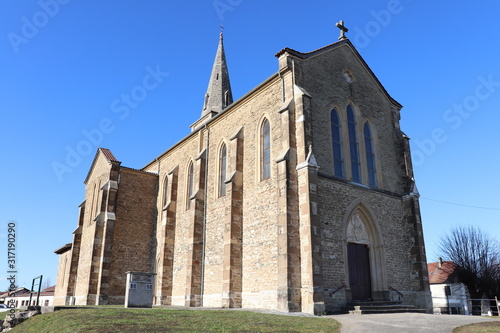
[(134, 234)]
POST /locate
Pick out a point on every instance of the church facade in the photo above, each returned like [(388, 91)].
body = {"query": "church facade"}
[(299, 196)]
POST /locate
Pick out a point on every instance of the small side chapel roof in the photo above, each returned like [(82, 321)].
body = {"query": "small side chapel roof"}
[(63, 248), (109, 157), (340, 43)]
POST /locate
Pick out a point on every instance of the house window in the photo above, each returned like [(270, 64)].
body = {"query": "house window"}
[(338, 160), (353, 146), (133, 286), (165, 192), (149, 286), (370, 156), (265, 150), (222, 170), (190, 183)]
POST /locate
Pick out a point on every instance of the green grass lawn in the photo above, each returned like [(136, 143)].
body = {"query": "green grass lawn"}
[(100, 320), (4, 314), (488, 327)]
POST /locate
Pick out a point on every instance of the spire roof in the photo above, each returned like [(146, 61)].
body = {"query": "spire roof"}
[(219, 94)]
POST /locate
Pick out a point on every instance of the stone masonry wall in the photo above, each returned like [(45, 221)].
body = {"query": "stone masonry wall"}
[(323, 78), (259, 253), (133, 239), (337, 201), (99, 176), (62, 278)]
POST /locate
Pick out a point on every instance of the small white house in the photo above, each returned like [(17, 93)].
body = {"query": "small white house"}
[(449, 295), (21, 297)]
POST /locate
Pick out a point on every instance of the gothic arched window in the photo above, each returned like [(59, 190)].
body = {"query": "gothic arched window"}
[(265, 150), (222, 170), (353, 145), (338, 160), (190, 184), (165, 192), (370, 156)]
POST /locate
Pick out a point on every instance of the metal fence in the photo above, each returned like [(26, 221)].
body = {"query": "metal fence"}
[(466, 306)]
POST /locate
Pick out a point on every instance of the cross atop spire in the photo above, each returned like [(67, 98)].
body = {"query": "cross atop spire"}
[(343, 30)]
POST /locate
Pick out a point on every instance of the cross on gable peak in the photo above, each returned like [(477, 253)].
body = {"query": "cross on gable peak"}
[(342, 28)]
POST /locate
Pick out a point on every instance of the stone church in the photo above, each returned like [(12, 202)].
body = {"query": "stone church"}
[(298, 196)]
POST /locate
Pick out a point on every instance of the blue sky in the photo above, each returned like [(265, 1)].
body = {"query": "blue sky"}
[(67, 65)]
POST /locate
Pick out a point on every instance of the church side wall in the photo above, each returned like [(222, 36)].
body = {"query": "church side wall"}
[(93, 195), (180, 157), (132, 246), (259, 210), (260, 246)]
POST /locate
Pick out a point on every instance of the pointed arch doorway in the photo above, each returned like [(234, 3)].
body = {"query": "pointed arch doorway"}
[(364, 250), (359, 271)]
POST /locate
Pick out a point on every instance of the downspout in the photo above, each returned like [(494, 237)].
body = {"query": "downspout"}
[(154, 257), (204, 217), (282, 87)]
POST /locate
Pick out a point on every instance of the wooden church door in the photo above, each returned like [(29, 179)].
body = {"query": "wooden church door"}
[(359, 271)]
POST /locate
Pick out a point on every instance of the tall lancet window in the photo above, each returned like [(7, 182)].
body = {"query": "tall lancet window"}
[(370, 156), (165, 192), (338, 159), (222, 170), (353, 145), (265, 150), (190, 184)]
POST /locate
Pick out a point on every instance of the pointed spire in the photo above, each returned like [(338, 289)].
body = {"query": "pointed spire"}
[(219, 94)]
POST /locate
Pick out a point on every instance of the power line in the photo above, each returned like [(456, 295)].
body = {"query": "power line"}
[(458, 204)]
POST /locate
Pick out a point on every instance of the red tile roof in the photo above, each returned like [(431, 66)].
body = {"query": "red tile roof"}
[(23, 292), (444, 274), (109, 155)]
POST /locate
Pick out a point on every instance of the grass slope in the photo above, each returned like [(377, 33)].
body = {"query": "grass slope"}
[(488, 327), (101, 320)]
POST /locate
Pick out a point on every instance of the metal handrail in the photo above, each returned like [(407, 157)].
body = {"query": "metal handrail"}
[(336, 290), (397, 291)]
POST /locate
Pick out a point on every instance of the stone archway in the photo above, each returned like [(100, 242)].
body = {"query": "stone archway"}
[(364, 257)]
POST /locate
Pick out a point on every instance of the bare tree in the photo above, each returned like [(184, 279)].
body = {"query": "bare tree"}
[(477, 256), (46, 283)]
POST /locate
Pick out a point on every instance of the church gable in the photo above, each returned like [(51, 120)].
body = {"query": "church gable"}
[(345, 96), (103, 160)]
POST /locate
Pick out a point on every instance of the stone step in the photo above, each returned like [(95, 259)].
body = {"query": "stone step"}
[(359, 303), (381, 311), (370, 307), (383, 307)]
